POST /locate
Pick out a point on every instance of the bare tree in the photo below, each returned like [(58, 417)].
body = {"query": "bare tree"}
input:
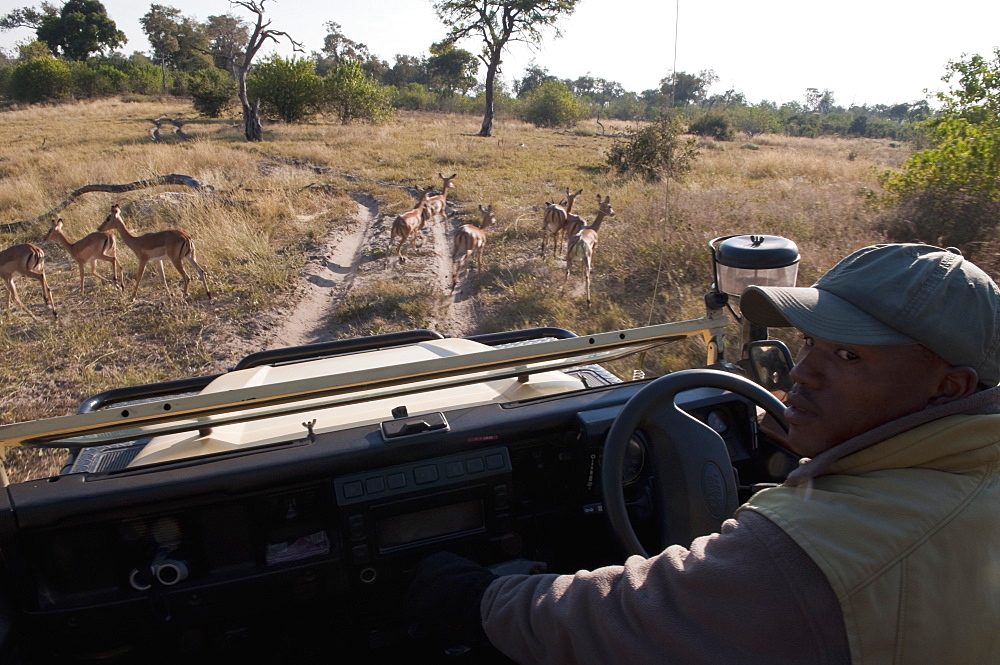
[(262, 32), (499, 22)]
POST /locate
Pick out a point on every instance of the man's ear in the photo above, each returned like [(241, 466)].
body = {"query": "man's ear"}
[(957, 382)]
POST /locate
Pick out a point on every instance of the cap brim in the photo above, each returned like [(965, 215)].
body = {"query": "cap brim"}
[(817, 313)]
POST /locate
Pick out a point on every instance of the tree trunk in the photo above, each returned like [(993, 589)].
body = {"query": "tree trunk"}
[(491, 76), (252, 129)]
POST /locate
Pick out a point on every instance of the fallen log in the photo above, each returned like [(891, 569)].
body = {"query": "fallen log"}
[(171, 179)]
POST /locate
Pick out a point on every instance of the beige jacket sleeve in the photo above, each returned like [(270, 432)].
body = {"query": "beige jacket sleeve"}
[(747, 595)]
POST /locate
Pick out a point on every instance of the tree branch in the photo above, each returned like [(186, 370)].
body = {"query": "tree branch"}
[(171, 179)]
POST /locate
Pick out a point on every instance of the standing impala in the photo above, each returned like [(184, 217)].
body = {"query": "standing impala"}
[(436, 204), (408, 224), (554, 223), (171, 244), (93, 247), (468, 239), (28, 260), (583, 244)]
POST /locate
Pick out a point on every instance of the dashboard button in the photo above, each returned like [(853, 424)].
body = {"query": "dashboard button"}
[(425, 474)]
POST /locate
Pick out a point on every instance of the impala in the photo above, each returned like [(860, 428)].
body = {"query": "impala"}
[(407, 225), (93, 247), (583, 243), (554, 222), (468, 239), (28, 260), (171, 244), (436, 204)]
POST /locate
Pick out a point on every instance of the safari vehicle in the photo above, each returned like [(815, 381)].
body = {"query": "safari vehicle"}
[(275, 513)]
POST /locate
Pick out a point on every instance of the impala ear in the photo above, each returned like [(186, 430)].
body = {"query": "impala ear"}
[(579, 192)]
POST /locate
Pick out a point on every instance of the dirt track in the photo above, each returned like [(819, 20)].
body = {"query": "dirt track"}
[(347, 258)]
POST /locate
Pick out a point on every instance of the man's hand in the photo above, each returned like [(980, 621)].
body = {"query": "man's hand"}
[(443, 599)]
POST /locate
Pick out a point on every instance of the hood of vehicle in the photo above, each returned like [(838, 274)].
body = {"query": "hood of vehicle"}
[(290, 427)]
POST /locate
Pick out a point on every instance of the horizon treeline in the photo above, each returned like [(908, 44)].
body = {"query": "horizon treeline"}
[(195, 59)]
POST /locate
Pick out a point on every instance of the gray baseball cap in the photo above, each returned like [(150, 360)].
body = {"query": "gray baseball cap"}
[(893, 295)]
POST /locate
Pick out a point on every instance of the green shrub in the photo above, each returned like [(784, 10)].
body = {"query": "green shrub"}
[(411, 97), (93, 80), (655, 152), (41, 79), (212, 91), (714, 124), (288, 89), (552, 104), (352, 94)]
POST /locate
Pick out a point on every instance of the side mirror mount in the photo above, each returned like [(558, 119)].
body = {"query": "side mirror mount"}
[(770, 364)]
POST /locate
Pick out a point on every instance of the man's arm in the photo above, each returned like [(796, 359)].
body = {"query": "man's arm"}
[(747, 595)]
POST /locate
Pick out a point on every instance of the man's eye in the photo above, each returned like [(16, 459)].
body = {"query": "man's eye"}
[(844, 354)]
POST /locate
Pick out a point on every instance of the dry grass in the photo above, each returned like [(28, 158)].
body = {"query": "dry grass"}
[(275, 199)]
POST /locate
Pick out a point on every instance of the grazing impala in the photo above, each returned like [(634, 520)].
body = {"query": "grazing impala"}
[(436, 204), (28, 260), (554, 223), (171, 244), (407, 225), (468, 239), (583, 243), (93, 247)]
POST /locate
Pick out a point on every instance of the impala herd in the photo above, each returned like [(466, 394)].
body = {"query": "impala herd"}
[(28, 259), (560, 224)]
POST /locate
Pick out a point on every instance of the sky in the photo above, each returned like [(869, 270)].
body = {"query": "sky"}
[(875, 52)]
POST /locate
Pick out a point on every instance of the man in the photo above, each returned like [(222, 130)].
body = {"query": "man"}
[(883, 546)]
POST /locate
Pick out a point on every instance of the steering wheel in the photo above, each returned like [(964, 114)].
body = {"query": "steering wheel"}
[(693, 482)]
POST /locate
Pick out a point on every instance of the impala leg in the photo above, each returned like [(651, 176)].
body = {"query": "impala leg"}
[(46, 291), (82, 272), (12, 293), (138, 277), (163, 275), (201, 273), (180, 268)]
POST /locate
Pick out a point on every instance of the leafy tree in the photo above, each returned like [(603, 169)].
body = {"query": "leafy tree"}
[(626, 107), (286, 88), (354, 95), (81, 28), (212, 91), (497, 22), (534, 77), (681, 88), (227, 35), (819, 102), (950, 193), (407, 69), (27, 17), (339, 49), (553, 105), (451, 69), (655, 152), (160, 24)]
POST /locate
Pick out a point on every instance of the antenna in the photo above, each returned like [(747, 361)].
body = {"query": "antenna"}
[(638, 372)]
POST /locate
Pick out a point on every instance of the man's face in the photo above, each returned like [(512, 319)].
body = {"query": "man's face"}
[(842, 390)]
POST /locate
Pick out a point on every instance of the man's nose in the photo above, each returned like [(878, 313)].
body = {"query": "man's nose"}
[(804, 371)]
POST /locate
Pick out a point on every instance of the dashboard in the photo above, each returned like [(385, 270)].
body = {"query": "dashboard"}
[(302, 551)]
